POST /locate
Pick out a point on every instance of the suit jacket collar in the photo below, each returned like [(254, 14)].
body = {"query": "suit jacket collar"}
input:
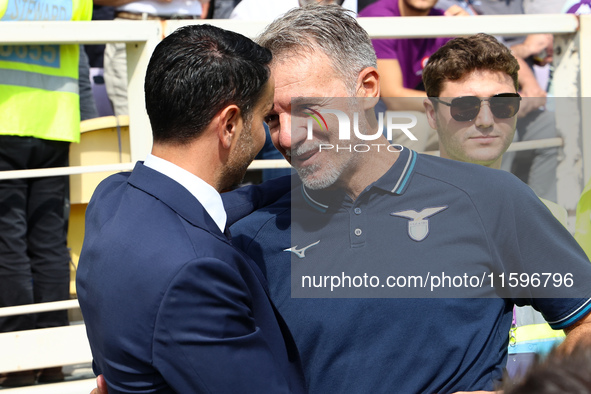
[(181, 201), (175, 196)]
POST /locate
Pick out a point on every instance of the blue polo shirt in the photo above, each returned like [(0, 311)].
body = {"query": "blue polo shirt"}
[(412, 345)]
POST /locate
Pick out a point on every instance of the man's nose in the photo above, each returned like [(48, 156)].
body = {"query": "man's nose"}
[(485, 118)]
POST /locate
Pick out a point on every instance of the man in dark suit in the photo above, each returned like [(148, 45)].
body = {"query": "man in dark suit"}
[(169, 304)]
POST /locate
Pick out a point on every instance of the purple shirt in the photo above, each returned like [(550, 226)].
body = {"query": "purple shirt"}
[(579, 8), (411, 53)]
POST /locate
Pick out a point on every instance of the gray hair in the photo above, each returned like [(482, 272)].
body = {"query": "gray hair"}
[(329, 28), (306, 2)]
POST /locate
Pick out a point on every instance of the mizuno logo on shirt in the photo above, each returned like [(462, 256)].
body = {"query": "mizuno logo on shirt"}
[(418, 226), (301, 253)]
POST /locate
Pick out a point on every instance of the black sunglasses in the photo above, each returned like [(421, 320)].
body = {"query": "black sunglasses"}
[(466, 108)]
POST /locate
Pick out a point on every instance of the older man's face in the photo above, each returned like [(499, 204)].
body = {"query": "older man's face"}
[(310, 81)]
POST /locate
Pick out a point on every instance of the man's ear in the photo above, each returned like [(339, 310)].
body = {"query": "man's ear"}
[(230, 125), (431, 113), (368, 85)]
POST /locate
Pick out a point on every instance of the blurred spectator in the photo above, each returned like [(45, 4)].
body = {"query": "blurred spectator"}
[(96, 55), (583, 224), (115, 61), (96, 52), (542, 6), (577, 7), (221, 9), (268, 10), (361, 4), (465, 4), (39, 118), (401, 63), (88, 108)]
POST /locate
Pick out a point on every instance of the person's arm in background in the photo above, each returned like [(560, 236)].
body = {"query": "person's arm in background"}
[(204, 8), (101, 386), (578, 333), (534, 44), (456, 10), (395, 95)]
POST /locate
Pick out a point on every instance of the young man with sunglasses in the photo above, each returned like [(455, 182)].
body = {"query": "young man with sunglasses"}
[(473, 100), (478, 126)]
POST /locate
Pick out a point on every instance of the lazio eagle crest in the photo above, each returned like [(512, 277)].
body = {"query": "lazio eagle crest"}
[(418, 226)]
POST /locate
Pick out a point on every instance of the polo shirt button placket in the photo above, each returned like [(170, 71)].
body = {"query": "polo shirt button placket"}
[(357, 223)]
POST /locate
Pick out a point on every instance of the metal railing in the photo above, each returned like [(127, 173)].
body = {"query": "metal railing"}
[(573, 42)]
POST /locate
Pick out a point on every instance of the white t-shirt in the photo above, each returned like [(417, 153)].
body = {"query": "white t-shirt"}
[(269, 10), (154, 7)]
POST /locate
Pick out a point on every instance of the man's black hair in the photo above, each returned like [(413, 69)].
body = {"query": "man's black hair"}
[(197, 71)]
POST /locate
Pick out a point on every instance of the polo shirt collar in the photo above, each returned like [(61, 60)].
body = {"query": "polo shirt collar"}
[(394, 181)]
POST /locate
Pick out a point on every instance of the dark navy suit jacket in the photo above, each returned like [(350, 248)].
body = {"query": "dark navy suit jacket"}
[(169, 304)]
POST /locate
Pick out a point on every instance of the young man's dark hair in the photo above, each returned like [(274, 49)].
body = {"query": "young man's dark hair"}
[(463, 55), (197, 71)]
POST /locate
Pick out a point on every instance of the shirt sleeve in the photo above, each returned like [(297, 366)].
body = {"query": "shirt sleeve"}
[(243, 201), (542, 263)]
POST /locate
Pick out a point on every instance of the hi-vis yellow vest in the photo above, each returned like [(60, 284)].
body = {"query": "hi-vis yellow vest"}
[(39, 83)]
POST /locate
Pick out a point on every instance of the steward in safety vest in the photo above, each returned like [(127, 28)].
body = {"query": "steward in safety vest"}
[(39, 83)]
